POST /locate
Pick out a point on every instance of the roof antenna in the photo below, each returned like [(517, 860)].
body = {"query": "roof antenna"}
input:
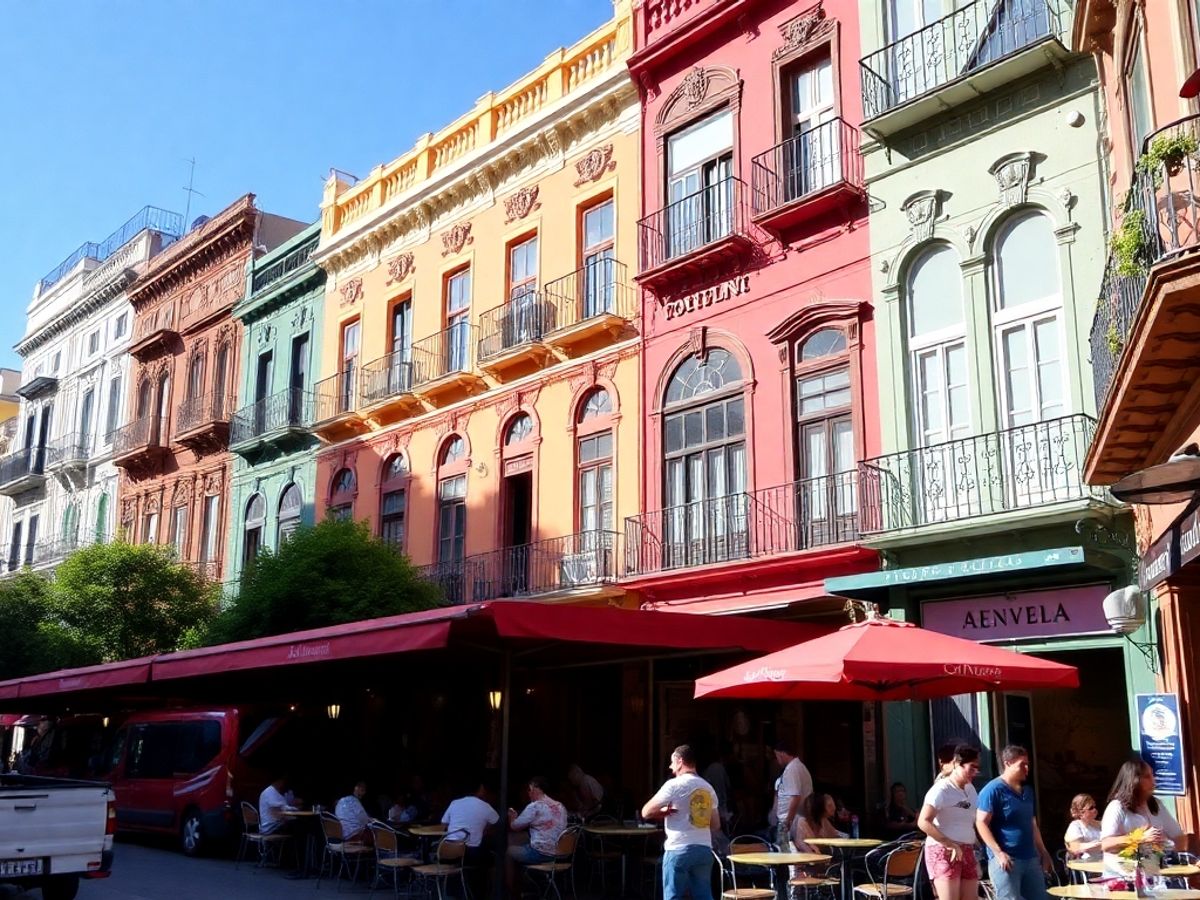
[(189, 190)]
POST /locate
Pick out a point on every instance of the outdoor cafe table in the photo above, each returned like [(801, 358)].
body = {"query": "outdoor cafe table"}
[(1096, 867), (622, 832), (1088, 891), (845, 849), (304, 863), (779, 859), (426, 833)]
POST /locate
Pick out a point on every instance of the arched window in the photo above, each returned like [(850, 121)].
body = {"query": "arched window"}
[(1027, 321), (596, 403), (341, 495), (594, 461), (452, 503), (70, 532), (704, 464), (826, 342), (256, 521), (291, 508), (519, 429), (393, 500), (826, 460), (454, 450), (102, 518), (937, 348)]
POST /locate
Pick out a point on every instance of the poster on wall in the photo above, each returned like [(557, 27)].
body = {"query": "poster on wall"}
[(1161, 741)]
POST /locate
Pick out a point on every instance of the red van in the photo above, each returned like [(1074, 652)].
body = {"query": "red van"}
[(184, 772)]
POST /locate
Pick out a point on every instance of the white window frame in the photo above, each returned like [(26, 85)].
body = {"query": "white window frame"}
[(939, 342)]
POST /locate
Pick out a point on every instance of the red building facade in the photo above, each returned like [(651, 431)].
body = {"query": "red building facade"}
[(758, 369)]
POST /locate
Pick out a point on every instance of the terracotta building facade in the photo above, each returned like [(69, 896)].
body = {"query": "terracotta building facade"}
[(173, 450)]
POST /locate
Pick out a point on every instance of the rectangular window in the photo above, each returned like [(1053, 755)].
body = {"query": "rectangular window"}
[(341, 513), (392, 519), (150, 528), (179, 524), (906, 17), (85, 417), (699, 184), (458, 329), (93, 343), (452, 518), (113, 419), (599, 271), (252, 545), (56, 362), (812, 157), (523, 320), (119, 326), (298, 380), (351, 341), (14, 547), (399, 366), (212, 527), (1137, 89), (596, 483), (31, 540)]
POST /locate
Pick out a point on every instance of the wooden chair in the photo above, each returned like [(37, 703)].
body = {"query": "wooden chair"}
[(340, 851), (389, 863), (448, 857), (891, 870), (268, 845), (729, 885), (562, 866)]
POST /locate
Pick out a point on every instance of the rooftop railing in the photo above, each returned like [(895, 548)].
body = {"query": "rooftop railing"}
[(294, 261), (148, 217)]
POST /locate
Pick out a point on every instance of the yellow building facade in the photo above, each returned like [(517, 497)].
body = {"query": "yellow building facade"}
[(478, 399)]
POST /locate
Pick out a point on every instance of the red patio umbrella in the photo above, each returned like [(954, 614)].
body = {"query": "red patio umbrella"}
[(882, 659)]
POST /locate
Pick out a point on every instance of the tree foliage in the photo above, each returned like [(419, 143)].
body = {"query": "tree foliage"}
[(124, 600), (331, 573), (35, 639)]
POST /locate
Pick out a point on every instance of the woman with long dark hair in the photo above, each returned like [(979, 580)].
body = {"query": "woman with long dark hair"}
[(816, 821), (1132, 805)]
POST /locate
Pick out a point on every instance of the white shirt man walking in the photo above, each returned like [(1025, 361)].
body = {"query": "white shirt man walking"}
[(687, 804), (795, 784)]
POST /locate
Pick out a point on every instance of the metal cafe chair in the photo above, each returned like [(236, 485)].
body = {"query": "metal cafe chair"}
[(448, 856), (891, 870), (347, 855), (389, 862), (269, 846), (563, 865)]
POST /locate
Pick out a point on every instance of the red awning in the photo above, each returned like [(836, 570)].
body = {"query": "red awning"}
[(118, 674)]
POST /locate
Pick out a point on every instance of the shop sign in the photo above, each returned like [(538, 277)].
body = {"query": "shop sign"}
[(1161, 741), (966, 568), (1021, 615), (1175, 548), (734, 287)]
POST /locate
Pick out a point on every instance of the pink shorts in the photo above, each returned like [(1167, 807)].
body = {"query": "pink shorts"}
[(937, 860)]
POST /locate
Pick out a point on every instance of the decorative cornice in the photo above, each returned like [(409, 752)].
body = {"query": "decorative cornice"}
[(78, 312)]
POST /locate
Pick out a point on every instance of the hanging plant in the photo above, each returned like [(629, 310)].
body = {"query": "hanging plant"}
[(1113, 338), (1129, 246), (1168, 151)]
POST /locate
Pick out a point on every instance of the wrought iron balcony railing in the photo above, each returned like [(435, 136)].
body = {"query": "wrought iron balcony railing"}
[(1016, 469), (449, 352), (288, 409), (1160, 220), (202, 411), (388, 376), (525, 319), (576, 561), (787, 518), (138, 435), (970, 38), (806, 165), (335, 396), (72, 449), (281, 268), (30, 461), (690, 224), (600, 288)]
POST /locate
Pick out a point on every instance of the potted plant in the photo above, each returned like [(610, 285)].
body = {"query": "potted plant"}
[(1168, 151)]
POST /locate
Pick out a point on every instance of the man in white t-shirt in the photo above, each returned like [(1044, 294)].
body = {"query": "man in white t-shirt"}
[(795, 784), (688, 806), (271, 804), (468, 818)]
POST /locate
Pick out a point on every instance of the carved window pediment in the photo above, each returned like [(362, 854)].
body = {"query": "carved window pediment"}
[(704, 88)]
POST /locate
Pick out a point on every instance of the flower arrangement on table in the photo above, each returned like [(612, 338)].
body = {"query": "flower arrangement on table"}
[(1141, 853)]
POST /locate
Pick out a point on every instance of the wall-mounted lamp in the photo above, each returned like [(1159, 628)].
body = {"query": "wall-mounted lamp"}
[(105, 722), (333, 710), (1126, 610), (494, 700)]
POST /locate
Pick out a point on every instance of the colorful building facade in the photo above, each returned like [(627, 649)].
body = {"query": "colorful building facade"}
[(758, 369), (1145, 327), (479, 380), (270, 435), (173, 449), (59, 483)]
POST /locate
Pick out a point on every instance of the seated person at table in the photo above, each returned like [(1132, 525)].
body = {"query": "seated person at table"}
[(271, 806), (1083, 834), (815, 821), (403, 811), (545, 819), (898, 818), (353, 816), (843, 816), (587, 794), (1135, 815), (468, 818)]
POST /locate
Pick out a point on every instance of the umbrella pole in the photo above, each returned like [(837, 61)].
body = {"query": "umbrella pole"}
[(502, 831)]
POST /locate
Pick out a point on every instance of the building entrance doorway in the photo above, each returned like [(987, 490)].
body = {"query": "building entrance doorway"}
[(517, 533)]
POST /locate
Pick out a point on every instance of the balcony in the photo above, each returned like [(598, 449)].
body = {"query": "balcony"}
[(575, 567), (281, 420), (703, 233), (68, 453), (22, 471), (444, 363), (140, 443), (335, 406), (807, 177), (958, 58), (771, 522), (1147, 321), (1030, 467), (512, 335), (38, 386), (386, 387), (593, 301), (202, 423), (154, 331)]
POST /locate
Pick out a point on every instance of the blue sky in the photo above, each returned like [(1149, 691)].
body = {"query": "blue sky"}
[(103, 101)]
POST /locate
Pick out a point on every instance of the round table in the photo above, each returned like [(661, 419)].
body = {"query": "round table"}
[(845, 848), (622, 831), (779, 859), (303, 865), (1096, 867), (1085, 891)]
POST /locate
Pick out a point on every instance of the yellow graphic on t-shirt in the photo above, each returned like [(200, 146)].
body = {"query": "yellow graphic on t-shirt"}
[(700, 808)]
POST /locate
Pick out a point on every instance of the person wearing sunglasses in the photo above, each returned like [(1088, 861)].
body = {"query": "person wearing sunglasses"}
[(1083, 834)]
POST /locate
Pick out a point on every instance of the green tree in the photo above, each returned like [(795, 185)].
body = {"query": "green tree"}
[(331, 573), (126, 600), (35, 640)]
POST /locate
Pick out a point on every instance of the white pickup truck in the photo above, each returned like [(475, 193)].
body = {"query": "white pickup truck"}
[(53, 832)]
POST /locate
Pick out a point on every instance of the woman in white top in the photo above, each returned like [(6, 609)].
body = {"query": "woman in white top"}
[(948, 817), (1132, 805), (1083, 834)]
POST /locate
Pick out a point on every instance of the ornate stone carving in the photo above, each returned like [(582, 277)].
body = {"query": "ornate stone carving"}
[(695, 86), (698, 342), (596, 163), (400, 268), (802, 30), (225, 334), (265, 335), (584, 376), (521, 204), (212, 483), (351, 291), (183, 492), (969, 233), (300, 317), (1012, 177), (128, 509), (922, 209), (152, 505), (1066, 198), (507, 404), (400, 441), (456, 238), (607, 369), (349, 457)]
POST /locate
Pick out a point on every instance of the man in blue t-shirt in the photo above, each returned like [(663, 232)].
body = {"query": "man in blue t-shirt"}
[(1017, 857)]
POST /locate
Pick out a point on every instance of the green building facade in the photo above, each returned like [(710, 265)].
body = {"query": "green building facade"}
[(988, 238), (270, 435)]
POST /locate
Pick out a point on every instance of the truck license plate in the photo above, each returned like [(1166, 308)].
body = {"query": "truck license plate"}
[(20, 867)]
